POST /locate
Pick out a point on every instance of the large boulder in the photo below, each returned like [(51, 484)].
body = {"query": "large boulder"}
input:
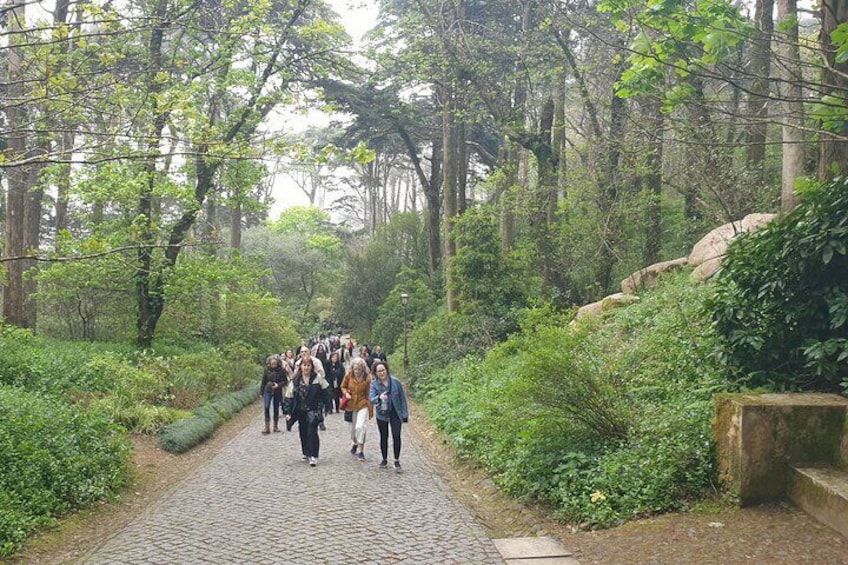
[(593, 309), (707, 254), (617, 300), (647, 277)]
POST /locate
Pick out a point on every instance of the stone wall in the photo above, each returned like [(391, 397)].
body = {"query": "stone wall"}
[(760, 437)]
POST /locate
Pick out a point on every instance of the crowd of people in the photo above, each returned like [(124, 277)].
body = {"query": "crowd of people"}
[(332, 375)]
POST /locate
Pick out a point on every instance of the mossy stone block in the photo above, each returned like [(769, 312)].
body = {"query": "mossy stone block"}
[(759, 437)]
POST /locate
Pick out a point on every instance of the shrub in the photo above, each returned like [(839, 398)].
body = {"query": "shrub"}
[(456, 336), (781, 298), (184, 434), (53, 458), (605, 421)]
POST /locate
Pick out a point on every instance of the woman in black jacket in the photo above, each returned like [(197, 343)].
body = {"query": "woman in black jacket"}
[(271, 390), (306, 397), (335, 374)]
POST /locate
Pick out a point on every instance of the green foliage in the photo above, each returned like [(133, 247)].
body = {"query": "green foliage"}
[(300, 220), (370, 276), (51, 366), (448, 337), (86, 299), (141, 390), (781, 298), (677, 39), (184, 434), (605, 420), (222, 302), (54, 458), (483, 277), (422, 302), (303, 266)]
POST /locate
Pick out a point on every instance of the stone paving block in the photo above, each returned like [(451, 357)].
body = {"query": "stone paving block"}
[(543, 561), (257, 502)]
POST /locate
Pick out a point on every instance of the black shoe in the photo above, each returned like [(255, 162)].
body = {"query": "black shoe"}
[(353, 449), (322, 427), (384, 464), (397, 467)]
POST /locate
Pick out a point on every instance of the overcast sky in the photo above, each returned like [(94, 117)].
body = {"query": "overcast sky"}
[(358, 16)]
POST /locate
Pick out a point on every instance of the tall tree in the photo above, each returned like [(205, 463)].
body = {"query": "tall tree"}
[(833, 147), (792, 96), (14, 296), (760, 63)]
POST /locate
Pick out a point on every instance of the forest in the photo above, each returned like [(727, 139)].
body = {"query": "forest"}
[(498, 163)]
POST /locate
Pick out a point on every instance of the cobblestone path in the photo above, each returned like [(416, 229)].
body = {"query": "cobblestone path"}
[(257, 502)]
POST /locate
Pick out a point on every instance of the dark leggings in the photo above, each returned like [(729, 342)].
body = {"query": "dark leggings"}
[(308, 428), (383, 426)]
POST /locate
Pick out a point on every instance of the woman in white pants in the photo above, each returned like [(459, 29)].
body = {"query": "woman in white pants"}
[(355, 387)]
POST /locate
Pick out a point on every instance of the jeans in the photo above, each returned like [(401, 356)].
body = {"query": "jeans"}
[(278, 399)]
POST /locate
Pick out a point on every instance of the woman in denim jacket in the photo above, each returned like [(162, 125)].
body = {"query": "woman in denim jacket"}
[(391, 410)]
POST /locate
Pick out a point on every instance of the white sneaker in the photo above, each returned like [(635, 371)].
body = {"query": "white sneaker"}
[(313, 461)]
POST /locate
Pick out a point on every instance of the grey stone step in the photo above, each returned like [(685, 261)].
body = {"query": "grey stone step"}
[(542, 550), (822, 492)]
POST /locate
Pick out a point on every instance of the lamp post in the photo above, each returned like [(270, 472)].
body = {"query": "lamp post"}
[(404, 300)]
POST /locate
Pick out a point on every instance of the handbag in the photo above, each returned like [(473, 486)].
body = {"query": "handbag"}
[(313, 416), (348, 415), (343, 403)]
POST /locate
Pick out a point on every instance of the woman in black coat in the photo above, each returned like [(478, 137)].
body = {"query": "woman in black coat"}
[(271, 390), (306, 397), (335, 374)]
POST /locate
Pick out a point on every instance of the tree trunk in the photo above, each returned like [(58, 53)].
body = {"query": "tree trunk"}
[(793, 105), (653, 182), (209, 230), (462, 164), (14, 297), (833, 147), (508, 161), (66, 139), (558, 140), (608, 197), (433, 195), (63, 185), (760, 62), (449, 189), (235, 225), (546, 163), (32, 239), (148, 281)]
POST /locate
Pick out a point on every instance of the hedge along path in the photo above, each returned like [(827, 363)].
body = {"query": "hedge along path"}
[(257, 502)]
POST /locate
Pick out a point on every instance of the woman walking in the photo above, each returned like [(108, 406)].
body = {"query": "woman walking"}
[(335, 375), (355, 387), (389, 400), (306, 396), (274, 380)]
